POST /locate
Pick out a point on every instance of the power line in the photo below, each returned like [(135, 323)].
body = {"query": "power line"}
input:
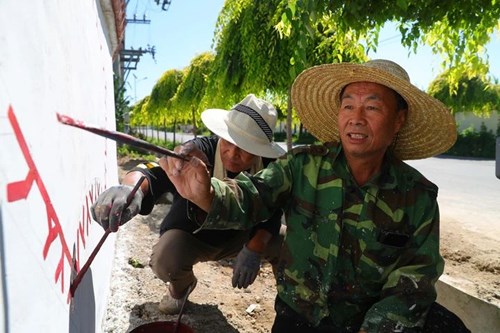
[(129, 58), (388, 39)]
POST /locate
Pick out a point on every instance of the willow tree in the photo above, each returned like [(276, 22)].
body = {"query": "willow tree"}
[(160, 101), (138, 114), (469, 95), (250, 56), (187, 102)]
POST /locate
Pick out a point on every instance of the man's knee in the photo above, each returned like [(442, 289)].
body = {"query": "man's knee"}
[(167, 260)]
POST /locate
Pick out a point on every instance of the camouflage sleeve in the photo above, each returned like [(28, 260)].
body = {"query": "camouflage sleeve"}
[(409, 290), (243, 202)]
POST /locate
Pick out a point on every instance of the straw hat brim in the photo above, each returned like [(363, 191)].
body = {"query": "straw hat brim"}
[(429, 129), (215, 121)]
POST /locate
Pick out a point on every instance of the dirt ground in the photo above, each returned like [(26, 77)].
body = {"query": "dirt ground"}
[(215, 307)]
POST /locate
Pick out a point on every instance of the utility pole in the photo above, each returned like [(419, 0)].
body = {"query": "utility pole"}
[(134, 19), (129, 58), (165, 4), (135, 85)]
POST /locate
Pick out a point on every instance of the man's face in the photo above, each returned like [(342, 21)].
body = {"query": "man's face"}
[(235, 159), (368, 119)]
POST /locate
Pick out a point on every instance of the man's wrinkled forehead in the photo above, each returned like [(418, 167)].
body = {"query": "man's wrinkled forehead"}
[(365, 87), (401, 102)]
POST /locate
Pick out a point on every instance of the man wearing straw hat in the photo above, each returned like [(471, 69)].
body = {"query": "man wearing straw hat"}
[(243, 141), (361, 250)]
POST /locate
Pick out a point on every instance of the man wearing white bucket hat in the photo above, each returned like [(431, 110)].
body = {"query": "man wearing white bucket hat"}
[(361, 251), (243, 141)]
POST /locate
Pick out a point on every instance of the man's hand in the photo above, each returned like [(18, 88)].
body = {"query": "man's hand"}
[(189, 149), (246, 268), (191, 179), (111, 210)]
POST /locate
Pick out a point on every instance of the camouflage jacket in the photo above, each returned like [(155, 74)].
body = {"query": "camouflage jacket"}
[(358, 256)]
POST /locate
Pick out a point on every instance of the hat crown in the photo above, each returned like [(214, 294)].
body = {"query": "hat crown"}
[(254, 116), (249, 125), (389, 67)]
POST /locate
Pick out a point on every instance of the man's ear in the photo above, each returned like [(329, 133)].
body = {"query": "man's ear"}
[(401, 119)]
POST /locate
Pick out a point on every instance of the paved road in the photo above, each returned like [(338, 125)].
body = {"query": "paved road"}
[(469, 192)]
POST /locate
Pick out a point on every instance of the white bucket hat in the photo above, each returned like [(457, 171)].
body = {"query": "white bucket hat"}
[(248, 125)]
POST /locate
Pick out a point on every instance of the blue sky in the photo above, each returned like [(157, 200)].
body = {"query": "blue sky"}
[(186, 30)]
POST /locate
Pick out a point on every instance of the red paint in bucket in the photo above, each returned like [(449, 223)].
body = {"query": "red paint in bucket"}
[(162, 327)]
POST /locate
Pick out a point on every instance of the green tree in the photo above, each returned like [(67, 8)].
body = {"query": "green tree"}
[(159, 107), (188, 103), (138, 114), (470, 95), (121, 104), (250, 55)]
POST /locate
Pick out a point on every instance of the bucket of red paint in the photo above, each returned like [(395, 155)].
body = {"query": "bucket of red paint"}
[(162, 327)]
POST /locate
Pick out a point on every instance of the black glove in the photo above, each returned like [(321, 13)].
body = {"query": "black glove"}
[(246, 268), (110, 209)]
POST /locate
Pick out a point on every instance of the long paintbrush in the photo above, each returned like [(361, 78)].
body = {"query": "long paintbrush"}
[(120, 137), (78, 278)]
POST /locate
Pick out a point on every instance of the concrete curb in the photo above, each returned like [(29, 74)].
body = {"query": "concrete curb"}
[(478, 315)]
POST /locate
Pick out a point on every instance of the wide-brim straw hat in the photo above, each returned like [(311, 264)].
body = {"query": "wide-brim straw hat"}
[(248, 125), (429, 130)]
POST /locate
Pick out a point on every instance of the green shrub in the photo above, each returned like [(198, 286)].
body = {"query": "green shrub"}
[(471, 143)]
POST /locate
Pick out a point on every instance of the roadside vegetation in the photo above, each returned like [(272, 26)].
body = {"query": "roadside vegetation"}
[(470, 143)]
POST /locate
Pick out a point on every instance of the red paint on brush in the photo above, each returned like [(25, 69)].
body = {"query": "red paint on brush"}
[(65, 119)]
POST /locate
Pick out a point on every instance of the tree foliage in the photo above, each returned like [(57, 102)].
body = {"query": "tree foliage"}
[(121, 103), (470, 95), (159, 106), (138, 113), (262, 45), (456, 30), (187, 102), (252, 56)]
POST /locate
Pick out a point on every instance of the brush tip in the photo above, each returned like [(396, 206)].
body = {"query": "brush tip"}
[(65, 119)]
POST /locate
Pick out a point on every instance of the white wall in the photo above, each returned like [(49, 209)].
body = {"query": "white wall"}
[(468, 120), (54, 58)]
